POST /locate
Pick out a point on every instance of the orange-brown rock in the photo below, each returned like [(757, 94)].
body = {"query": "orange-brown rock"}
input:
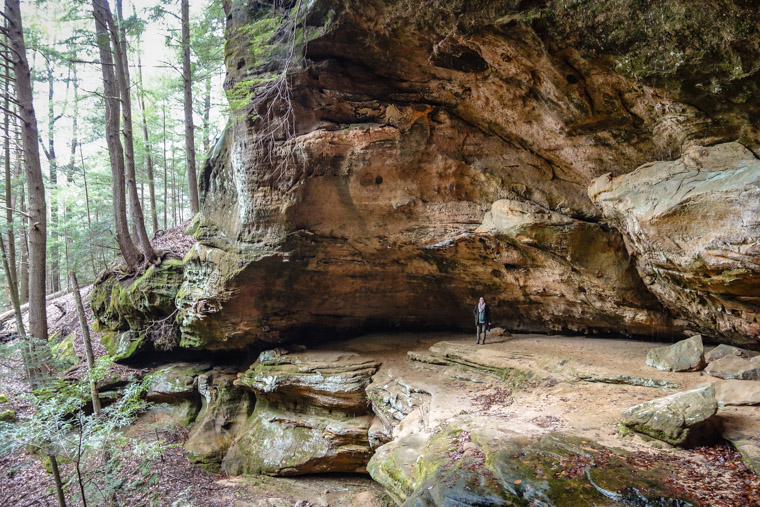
[(429, 153)]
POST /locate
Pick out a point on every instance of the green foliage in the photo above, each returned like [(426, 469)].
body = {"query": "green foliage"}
[(63, 425)]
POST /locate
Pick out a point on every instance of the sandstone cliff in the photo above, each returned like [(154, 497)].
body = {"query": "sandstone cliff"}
[(434, 152)]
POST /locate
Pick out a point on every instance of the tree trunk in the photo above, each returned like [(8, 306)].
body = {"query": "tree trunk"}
[(166, 163), (146, 140), (85, 338), (57, 479), (55, 254), (187, 81), (10, 201), (115, 150), (36, 187), (206, 116), (122, 82), (89, 219)]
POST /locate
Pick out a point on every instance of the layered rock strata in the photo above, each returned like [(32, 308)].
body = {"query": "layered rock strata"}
[(311, 415), (692, 226), (438, 152)]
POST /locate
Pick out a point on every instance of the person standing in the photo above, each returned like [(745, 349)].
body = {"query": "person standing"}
[(482, 314)]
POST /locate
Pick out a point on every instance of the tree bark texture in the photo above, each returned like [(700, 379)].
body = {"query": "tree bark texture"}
[(187, 80), (36, 189), (115, 149), (118, 37)]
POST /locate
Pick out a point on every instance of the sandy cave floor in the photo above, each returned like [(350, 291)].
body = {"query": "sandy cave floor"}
[(583, 409)]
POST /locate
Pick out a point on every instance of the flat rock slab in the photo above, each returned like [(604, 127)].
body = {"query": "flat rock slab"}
[(737, 392), (732, 367), (627, 380), (686, 355), (678, 419), (475, 460), (724, 350)]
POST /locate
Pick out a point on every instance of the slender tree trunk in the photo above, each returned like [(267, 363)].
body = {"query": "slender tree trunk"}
[(146, 140), (85, 338), (115, 150), (89, 219), (206, 116), (55, 254), (10, 201), (166, 164), (187, 81), (122, 82), (37, 205), (174, 192), (57, 479)]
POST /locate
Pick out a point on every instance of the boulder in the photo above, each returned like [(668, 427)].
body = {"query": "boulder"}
[(3, 398), (311, 415), (689, 224), (686, 355), (175, 381), (733, 367), (8, 415), (737, 392), (724, 350), (679, 419)]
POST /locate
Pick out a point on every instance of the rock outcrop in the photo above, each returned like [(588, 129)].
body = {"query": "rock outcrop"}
[(311, 415), (679, 419), (224, 410), (438, 152), (686, 355), (691, 224)]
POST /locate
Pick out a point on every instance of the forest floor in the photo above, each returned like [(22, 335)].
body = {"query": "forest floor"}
[(712, 475)]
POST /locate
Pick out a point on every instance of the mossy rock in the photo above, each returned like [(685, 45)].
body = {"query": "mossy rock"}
[(123, 345), (8, 415), (276, 441), (64, 351), (473, 460), (4, 399)]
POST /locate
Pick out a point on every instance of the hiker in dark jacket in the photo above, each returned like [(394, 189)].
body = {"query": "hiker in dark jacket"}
[(482, 314)]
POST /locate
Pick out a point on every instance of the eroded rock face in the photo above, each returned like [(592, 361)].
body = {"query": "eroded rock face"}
[(692, 226), (311, 415), (441, 151), (224, 409)]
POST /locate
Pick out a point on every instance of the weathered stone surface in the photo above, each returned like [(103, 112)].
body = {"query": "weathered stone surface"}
[(690, 225), (475, 460), (724, 350), (732, 367), (404, 192), (224, 410), (311, 415), (737, 392), (175, 381), (628, 380), (678, 419), (137, 314), (686, 355)]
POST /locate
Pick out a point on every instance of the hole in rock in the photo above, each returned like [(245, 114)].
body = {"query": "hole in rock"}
[(571, 79), (240, 63), (379, 180)]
